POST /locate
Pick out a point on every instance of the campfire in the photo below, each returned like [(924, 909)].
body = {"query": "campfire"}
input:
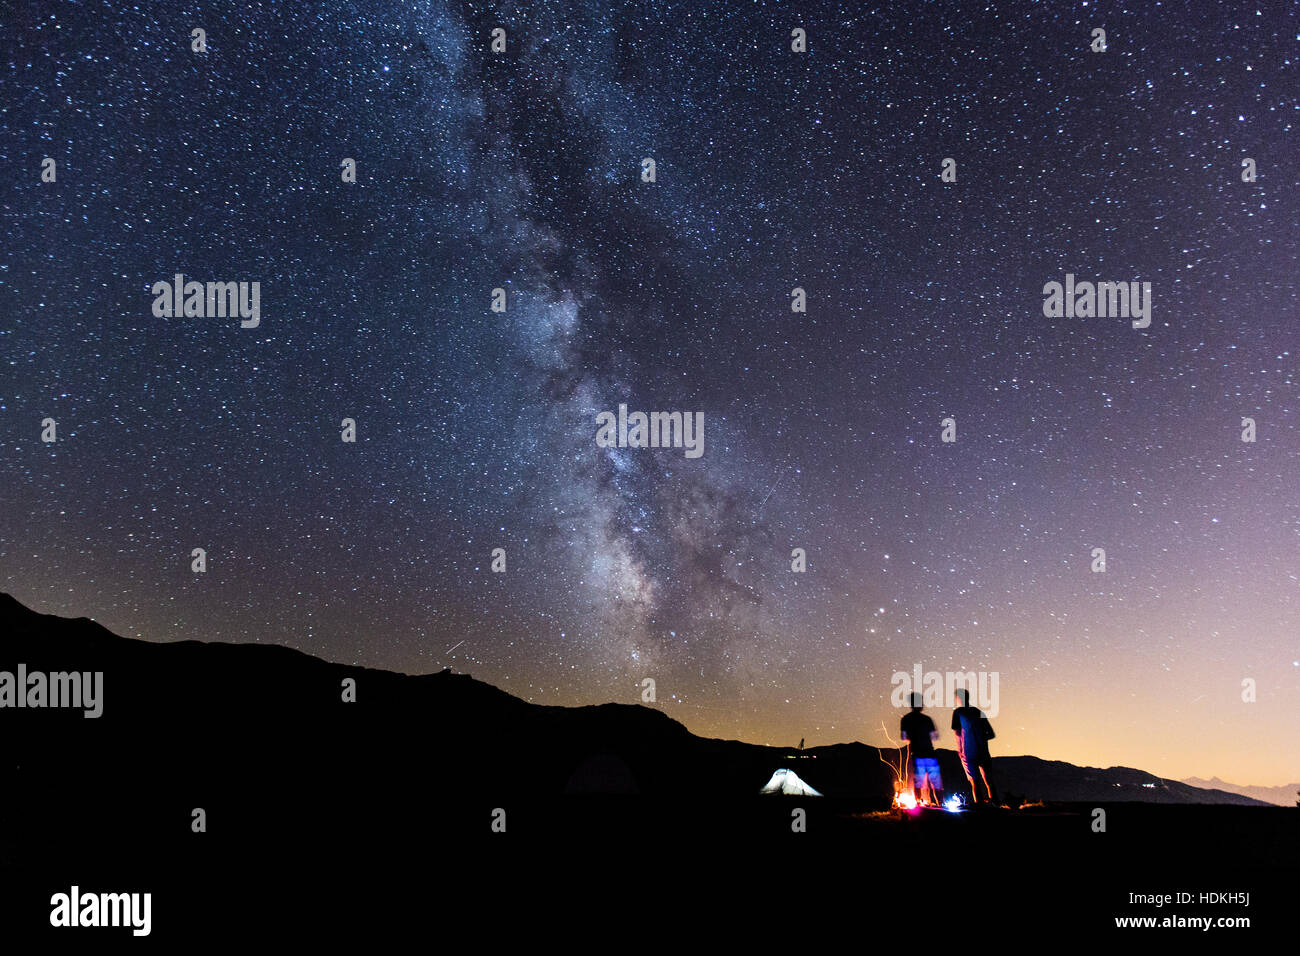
[(904, 796)]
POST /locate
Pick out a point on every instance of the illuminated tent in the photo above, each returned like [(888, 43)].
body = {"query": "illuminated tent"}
[(787, 782)]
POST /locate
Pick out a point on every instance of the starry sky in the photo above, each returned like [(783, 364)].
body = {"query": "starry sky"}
[(775, 169)]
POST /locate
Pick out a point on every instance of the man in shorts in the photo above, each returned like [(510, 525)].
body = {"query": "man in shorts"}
[(973, 732), (918, 730)]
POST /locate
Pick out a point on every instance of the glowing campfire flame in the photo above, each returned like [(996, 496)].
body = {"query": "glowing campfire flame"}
[(903, 796)]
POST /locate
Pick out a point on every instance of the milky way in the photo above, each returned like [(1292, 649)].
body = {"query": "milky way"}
[(774, 170)]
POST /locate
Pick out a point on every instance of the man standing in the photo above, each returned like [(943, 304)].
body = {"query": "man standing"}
[(974, 732), (918, 730)]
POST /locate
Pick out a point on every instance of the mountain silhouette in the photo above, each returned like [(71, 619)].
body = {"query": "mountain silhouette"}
[(235, 779), (1284, 796), (207, 715)]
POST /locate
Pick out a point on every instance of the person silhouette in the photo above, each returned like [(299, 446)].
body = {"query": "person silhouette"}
[(973, 732), (919, 731)]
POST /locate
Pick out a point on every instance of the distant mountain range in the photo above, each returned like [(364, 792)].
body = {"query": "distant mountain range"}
[(1284, 796), (237, 784), (227, 719)]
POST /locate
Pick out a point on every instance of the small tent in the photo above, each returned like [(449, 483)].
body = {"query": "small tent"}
[(787, 782)]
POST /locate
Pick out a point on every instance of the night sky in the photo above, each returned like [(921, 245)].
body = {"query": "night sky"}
[(775, 169)]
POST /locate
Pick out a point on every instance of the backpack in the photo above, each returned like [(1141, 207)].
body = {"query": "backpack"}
[(986, 728)]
